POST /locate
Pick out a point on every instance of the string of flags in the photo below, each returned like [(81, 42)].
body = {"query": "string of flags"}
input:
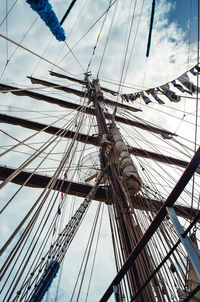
[(98, 36), (182, 83), (59, 206), (58, 213), (62, 197)]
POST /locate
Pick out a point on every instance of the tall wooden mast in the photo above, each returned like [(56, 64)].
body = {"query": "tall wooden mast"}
[(124, 181)]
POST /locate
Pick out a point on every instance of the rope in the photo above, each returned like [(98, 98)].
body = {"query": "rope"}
[(99, 34), (70, 230), (127, 46), (17, 172), (31, 136), (89, 249), (45, 223), (33, 53), (111, 24), (58, 284), (34, 170), (146, 163), (74, 56), (35, 220), (133, 45), (7, 13), (39, 60), (78, 129), (95, 253), (8, 59), (88, 30), (197, 106), (81, 266), (78, 17)]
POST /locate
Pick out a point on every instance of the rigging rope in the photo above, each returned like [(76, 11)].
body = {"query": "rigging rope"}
[(88, 30), (108, 35), (8, 59), (7, 13), (60, 246), (33, 53), (95, 254), (42, 219), (89, 249), (52, 180), (197, 105), (74, 56), (99, 34), (127, 46), (133, 45), (30, 254)]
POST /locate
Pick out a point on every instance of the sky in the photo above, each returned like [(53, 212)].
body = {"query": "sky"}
[(173, 51), (183, 12)]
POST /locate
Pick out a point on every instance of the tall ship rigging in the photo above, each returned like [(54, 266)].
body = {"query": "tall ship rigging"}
[(99, 151)]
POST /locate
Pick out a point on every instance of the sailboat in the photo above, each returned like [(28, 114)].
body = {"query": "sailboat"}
[(99, 154)]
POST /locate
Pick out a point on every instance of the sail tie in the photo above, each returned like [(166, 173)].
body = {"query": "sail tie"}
[(151, 28), (45, 281), (67, 12), (47, 14)]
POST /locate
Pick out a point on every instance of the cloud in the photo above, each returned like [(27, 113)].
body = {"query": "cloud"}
[(169, 57)]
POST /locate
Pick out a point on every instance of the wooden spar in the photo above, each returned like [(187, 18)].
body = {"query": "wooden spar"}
[(37, 96), (92, 140), (59, 75), (83, 138), (41, 181), (81, 190), (88, 110), (62, 76), (80, 93)]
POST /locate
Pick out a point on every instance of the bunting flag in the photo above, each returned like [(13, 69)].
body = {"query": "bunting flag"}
[(195, 73), (145, 98), (184, 79), (46, 13), (197, 68), (54, 229), (59, 210), (169, 93), (180, 87), (154, 94), (182, 83), (62, 195)]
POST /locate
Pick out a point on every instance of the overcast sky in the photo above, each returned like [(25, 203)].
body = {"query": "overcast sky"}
[(173, 51)]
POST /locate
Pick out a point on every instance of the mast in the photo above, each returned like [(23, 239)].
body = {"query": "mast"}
[(124, 181)]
